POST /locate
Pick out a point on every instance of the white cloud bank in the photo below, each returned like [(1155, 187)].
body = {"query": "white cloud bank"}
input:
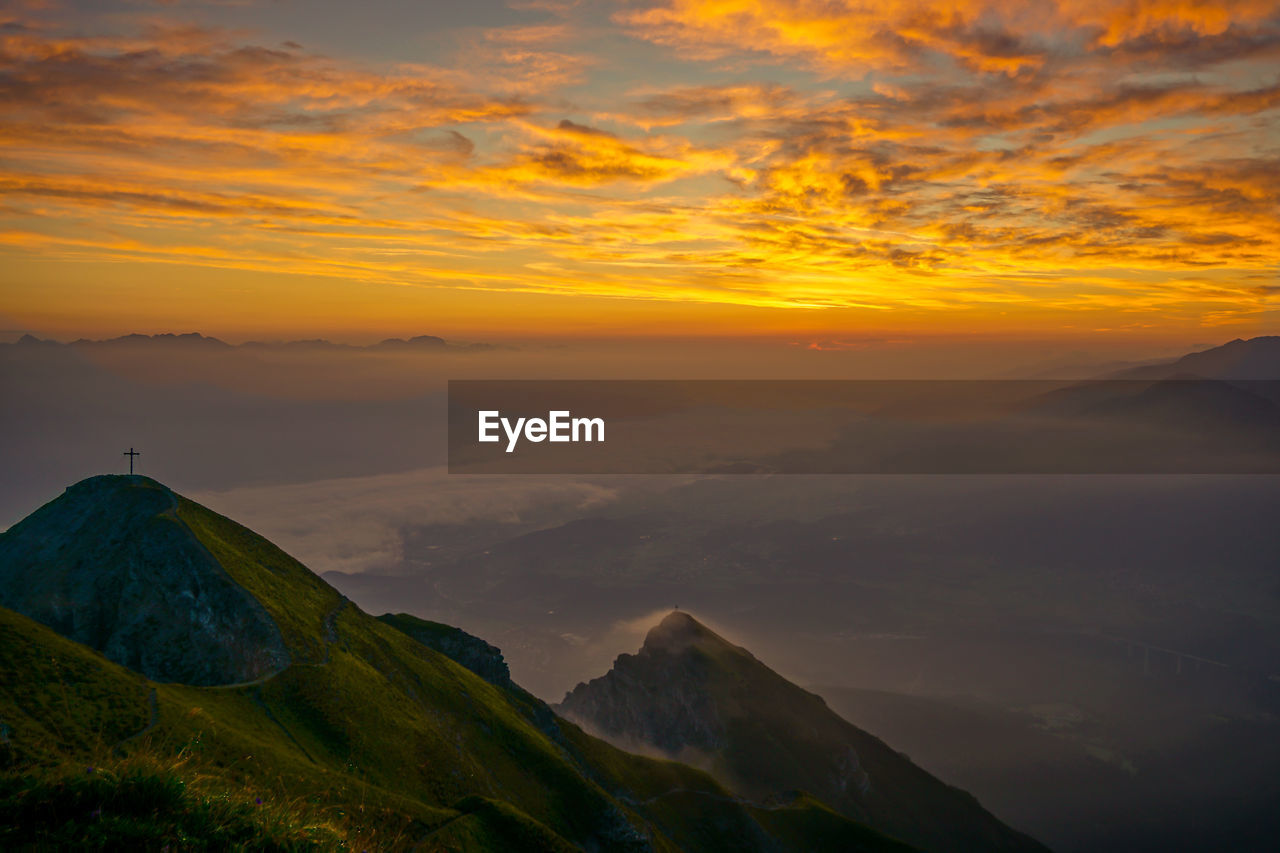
[(356, 524)]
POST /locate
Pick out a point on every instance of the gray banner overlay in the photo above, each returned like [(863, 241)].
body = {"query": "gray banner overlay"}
[(1178, 426)]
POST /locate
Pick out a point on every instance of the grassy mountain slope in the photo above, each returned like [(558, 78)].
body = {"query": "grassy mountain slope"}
[(691, 694), (110, 564), (366, 727)]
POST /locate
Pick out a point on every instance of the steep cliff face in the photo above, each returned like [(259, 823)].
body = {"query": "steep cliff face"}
[(475, 654), (111, 565), (659, 697), (688, 693), (364, 721)]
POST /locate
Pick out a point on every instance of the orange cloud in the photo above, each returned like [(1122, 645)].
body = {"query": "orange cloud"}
[(854, 37), (572, 154), (1093, 158)]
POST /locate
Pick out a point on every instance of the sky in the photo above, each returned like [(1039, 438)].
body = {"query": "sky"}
[(1078, 169)]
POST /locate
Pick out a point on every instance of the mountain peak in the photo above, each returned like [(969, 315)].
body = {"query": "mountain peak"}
[(680, 634), (122, 564), (678, 629), (691, 695), (170, 589), (1252, 359), (415, 342), (185, 339), (679, 618), (104, 483)]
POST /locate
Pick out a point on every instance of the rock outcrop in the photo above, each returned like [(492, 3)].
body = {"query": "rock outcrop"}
[(475, 654), (691, 695), (111, 565)]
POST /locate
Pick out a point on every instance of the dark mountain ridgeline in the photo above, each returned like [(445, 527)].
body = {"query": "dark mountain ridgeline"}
[(326, 705), (472, 652), (192, 341), (690, 694), (1256, 358), (454, 758), (111, 565)]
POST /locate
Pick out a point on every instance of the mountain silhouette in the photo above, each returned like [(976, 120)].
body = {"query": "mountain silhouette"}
[(690, 694), (139, 623), (188, 340), (1254, 358), (116, 565), (195, 341)]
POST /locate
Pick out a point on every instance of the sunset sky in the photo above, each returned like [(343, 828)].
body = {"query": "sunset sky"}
[(537, 167)]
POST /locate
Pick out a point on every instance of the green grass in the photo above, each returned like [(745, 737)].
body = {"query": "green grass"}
[(387, 740), (298, 600), (385, 723), (484, 824), (144, 802), (59, 697), (368, 736), (424, 630), (808, 824)]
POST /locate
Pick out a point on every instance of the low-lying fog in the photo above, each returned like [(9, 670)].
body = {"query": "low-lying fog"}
[(1097, 658)]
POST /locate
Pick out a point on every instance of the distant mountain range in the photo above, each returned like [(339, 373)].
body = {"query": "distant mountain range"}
[(162, 667), (1255, 358), (194, 341)]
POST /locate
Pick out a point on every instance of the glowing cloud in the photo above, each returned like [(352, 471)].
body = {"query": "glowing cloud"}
[(923, 164)]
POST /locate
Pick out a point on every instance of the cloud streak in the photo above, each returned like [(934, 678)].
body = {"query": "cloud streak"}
[(1073, 162)]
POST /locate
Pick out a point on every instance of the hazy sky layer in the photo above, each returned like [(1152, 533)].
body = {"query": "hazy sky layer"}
[(355, 524), (1077, 168)]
